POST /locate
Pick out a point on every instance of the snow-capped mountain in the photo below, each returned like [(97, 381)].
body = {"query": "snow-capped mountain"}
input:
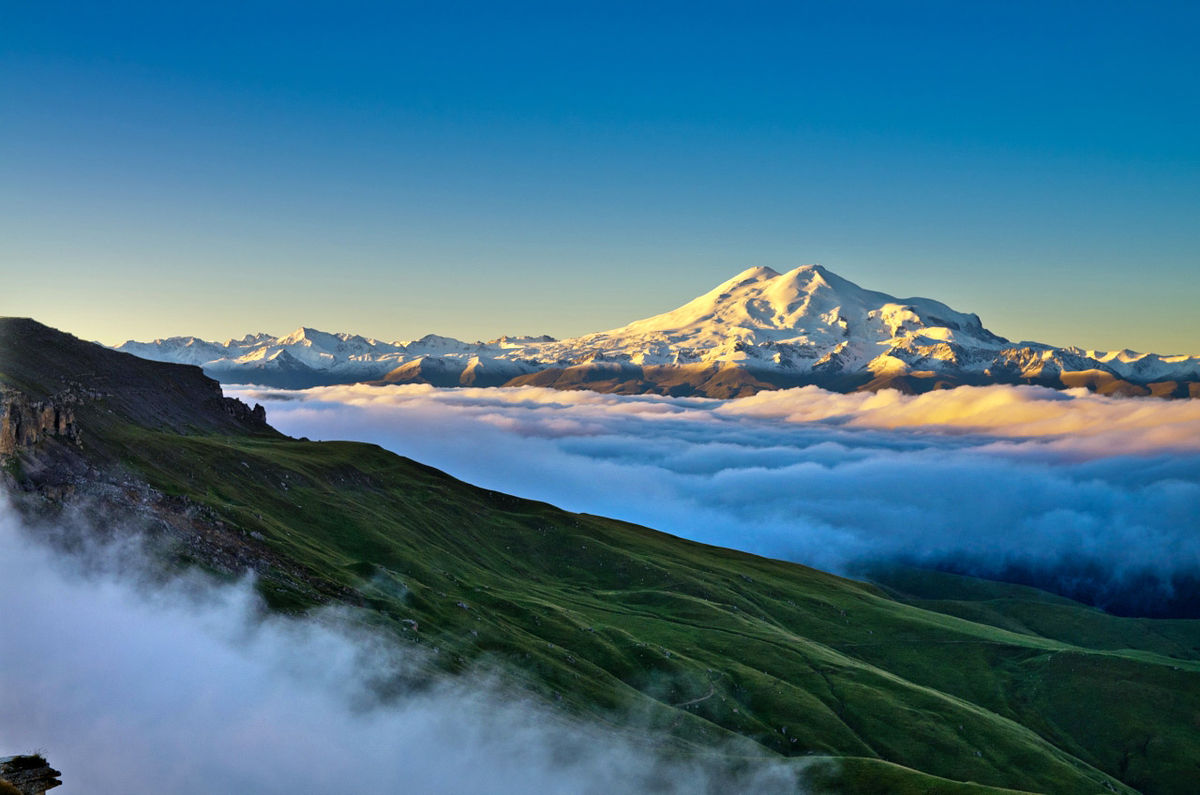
[(761, 329), (803, 320)]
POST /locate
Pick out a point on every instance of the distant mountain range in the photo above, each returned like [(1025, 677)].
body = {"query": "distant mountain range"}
[(759, 330)]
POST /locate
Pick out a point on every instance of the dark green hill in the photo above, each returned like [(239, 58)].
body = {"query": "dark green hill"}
[(917, 688), (48, 365)]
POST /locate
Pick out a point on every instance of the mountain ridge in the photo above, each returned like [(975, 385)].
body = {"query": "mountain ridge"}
[(805, 326)]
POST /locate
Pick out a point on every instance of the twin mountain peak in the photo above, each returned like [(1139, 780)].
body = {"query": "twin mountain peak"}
[(759, 330)]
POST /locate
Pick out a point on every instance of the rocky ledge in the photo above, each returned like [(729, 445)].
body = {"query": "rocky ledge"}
[(27, 774), (25, 422)]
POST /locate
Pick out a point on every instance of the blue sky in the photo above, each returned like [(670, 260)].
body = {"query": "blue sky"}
[(480, 169)]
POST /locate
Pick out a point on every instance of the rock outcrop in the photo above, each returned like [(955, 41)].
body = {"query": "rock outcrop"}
[(253, 417), (25, 422), (27, 774)]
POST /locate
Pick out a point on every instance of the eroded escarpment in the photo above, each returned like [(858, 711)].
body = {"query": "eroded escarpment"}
[(54, 479), (84, 431), (25, 422)]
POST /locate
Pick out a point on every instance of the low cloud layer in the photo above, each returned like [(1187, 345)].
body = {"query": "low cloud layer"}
[(1100, 492), (186, 688)]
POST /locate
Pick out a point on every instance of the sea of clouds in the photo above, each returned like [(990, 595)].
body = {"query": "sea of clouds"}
[(130, 684), (1093, 496)]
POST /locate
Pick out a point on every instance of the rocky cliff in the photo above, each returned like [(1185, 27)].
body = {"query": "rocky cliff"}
[(25, 422)]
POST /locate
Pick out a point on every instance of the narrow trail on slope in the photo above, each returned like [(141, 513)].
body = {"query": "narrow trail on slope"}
[(712, 689)]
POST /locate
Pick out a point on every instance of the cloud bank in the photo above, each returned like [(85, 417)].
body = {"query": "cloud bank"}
[(1095, 497), (186, 688)]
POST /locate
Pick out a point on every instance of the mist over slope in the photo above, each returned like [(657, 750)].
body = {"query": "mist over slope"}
[(759, 330), (137, 685), (1090, 496)]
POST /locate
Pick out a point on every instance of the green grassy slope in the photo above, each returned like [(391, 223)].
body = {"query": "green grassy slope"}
[(703, 645), (1065, 697), (1029, 610)]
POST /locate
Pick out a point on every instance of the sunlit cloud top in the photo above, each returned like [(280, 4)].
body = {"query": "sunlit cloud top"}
[(1099, 493), (1073, 421)]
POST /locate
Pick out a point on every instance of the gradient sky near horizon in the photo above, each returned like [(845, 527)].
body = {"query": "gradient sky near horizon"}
[(475, 169)]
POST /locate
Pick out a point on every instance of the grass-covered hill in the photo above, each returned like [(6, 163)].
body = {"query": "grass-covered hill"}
[(930, 683)]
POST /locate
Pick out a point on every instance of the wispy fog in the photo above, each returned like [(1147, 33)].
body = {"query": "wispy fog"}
[(185, 688), (1096, 496)]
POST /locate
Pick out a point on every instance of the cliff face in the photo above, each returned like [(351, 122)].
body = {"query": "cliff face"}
[(25, 422)]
